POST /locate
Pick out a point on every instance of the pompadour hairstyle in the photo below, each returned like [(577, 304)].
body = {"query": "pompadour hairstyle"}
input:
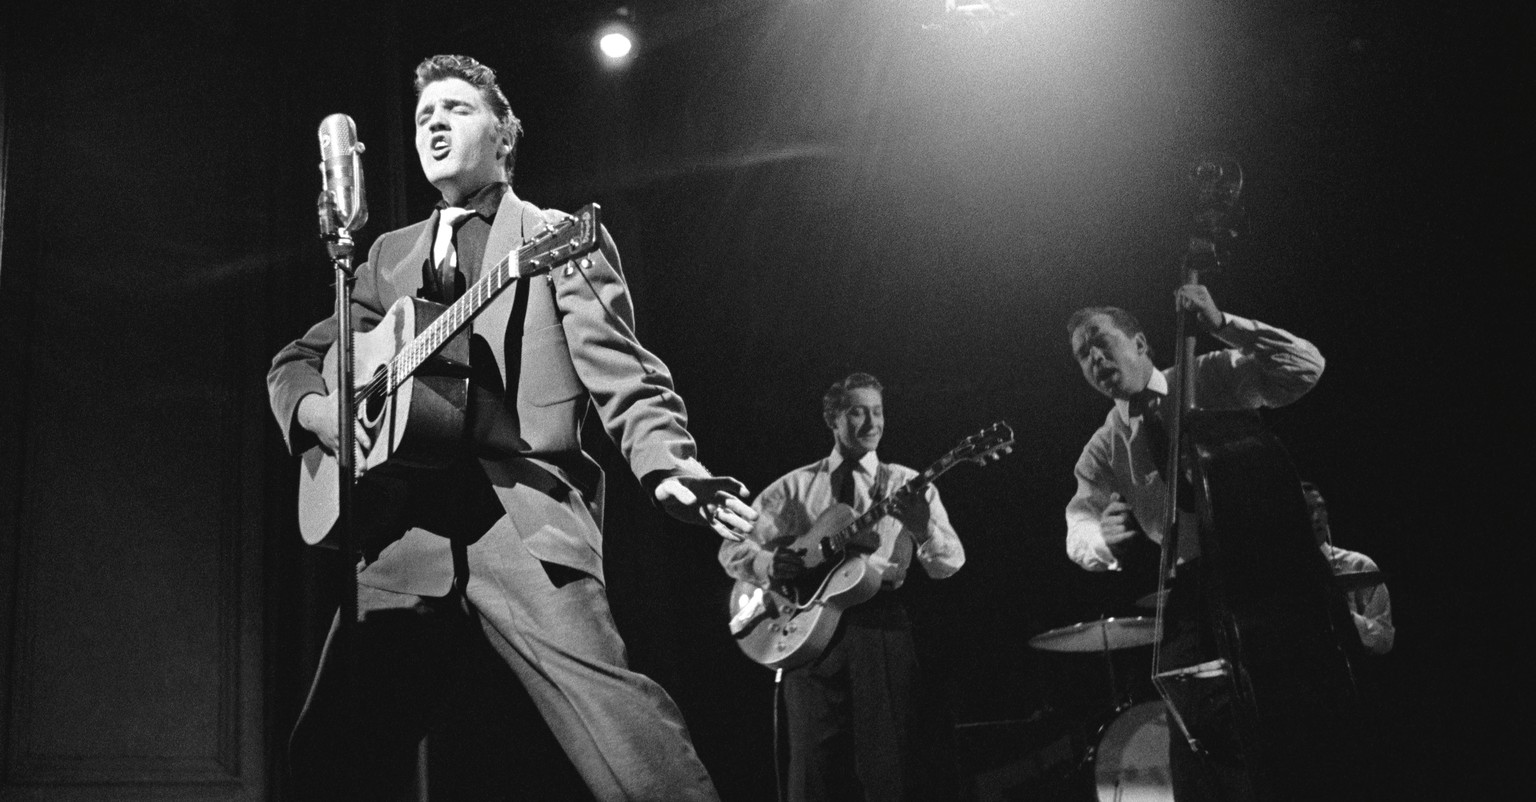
[(483, 78)]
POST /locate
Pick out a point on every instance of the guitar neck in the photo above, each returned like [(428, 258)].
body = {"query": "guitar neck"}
[(840, 539), (989, 442), (566, 240), (454, 319)]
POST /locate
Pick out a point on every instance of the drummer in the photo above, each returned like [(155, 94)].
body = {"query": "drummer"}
[(1114, 520), (1370, 605)]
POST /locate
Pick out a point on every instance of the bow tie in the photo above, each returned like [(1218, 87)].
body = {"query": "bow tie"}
[(1144, 402)]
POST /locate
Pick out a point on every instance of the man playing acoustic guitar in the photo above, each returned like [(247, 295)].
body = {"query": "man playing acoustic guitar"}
[(858, 726), (501, 552)]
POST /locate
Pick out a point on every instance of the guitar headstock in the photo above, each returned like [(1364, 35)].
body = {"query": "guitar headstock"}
[(990, 443), (574, 236)]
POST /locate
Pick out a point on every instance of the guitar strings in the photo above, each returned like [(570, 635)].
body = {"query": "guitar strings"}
[(381, 381)]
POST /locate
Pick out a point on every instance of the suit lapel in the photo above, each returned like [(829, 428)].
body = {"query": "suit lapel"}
[(407, 278), (506, 233), (494, 321)]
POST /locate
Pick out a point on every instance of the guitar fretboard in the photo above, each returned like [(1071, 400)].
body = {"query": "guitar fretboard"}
[(566, 240), (451, 321), (839, 540), (992, 439)]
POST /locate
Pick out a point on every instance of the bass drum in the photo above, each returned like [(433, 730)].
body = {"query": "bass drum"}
[(1131, 761)]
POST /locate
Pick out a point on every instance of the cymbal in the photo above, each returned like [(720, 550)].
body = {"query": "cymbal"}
[(1095, 636), (1358, 580), (1151, 599)]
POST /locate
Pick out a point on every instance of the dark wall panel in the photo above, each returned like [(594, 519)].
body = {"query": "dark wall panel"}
[(136, 250)]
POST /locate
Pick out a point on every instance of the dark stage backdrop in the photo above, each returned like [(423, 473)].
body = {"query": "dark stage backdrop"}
[(799, 189)]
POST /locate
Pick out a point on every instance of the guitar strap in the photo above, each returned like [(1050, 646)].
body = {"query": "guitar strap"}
[(880, 487)]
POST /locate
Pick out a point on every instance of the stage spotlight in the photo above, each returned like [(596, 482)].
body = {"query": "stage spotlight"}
[(616, 38), (616, 45)]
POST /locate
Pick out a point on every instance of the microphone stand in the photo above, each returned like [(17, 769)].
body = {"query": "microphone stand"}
[(339, 246)]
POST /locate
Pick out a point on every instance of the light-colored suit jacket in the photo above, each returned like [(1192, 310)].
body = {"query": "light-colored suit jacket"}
[(573, 348)]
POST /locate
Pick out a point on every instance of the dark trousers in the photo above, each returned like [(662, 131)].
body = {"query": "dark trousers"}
[(863, 723), (427, 664), (421, 669)]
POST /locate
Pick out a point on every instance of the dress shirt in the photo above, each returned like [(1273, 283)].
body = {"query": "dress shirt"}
[(442, 245), (469, 241), (1371, 607), (495, 429), (790, 505), (1264, 367)]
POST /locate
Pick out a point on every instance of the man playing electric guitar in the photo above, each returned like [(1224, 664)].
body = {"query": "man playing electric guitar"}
[(858, 726)]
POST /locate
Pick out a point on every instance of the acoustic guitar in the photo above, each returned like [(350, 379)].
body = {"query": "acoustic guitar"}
[(411, 376)]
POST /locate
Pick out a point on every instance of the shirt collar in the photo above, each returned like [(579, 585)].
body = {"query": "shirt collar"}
[(869, 462), (1157, 385), (485, 200)]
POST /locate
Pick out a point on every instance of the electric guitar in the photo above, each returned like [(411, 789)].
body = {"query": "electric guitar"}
[(411, 376), (783, 625)]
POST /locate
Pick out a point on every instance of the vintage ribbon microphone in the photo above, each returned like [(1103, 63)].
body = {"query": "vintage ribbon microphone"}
[(343, 209)]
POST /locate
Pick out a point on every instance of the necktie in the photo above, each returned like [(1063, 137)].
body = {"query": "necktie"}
[(1146, 405), (445, 256), (844, 489)]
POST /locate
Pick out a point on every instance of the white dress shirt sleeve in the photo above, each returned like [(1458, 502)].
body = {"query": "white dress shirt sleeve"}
[(939, 550), (1265, 367), (1372, 611), (1370, 607), (1095, 484)]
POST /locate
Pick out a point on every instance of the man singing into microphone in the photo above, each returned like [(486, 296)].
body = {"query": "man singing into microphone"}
[(502, 552)]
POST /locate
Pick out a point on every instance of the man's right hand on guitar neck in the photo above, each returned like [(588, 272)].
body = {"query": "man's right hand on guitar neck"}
[(317, 413)]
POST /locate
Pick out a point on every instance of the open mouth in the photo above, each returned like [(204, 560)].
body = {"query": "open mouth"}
[(438, 146)]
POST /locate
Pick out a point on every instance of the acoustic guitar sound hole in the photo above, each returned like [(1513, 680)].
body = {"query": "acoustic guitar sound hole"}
[(372, 409)]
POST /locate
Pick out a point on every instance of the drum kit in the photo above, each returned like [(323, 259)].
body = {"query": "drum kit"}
[(1129, 752)]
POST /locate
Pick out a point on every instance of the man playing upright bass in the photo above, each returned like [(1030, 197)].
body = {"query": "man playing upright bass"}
[(1115, 519)]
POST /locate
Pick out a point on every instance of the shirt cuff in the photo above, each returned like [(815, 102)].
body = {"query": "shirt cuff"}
[(1236, 330)]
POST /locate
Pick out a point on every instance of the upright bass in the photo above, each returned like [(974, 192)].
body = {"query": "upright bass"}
[(1262, 592)]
